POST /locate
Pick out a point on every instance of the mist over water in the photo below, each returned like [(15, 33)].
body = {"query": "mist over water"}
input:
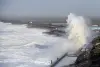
[(34, 49), (79, 30)]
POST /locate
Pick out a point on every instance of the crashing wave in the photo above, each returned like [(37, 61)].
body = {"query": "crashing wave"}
[(79, 30)]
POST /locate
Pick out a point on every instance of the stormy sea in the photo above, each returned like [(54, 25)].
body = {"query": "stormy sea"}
[(21, 46)]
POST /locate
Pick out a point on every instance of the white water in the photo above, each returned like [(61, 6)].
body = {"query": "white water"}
[(18, 43), (18, 46), (80, 32)]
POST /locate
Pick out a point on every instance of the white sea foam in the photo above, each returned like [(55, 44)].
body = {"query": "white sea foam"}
[(17, 42), (79, 28)]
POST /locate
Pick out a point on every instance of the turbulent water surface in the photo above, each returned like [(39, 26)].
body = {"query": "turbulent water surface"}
[(29, 47)]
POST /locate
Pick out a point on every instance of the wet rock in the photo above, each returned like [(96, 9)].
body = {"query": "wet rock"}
[(89, 58)]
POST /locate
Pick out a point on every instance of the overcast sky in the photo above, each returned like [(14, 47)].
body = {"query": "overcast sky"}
[(49, 8)]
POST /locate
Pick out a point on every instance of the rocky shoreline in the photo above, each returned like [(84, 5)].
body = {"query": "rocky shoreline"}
[(89, 58)]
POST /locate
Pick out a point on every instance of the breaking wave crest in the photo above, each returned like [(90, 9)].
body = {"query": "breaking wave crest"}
[(79, 30)]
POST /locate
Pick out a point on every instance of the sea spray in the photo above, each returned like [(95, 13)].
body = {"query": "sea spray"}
[(79, 30)]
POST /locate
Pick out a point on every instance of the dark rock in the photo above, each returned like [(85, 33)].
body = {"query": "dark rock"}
[(89, 58)]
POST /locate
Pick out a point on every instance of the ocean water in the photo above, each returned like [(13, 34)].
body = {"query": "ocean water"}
[(29, 47)]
